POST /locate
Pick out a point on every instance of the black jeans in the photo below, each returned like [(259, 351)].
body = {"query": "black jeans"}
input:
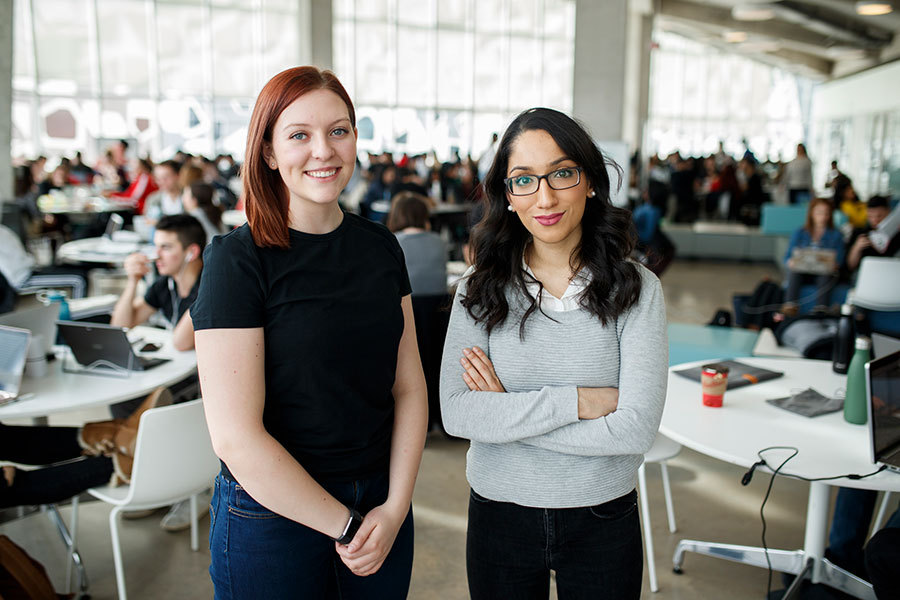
[(596, 551), (46, 446), (823, 284)]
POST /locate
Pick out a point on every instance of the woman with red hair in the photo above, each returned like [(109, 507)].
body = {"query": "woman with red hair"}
[(311, 378)]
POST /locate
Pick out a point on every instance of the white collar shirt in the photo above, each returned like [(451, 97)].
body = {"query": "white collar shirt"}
[(549, 302)]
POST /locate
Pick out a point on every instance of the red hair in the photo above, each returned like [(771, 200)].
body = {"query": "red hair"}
[(266, 197), (809, 211)]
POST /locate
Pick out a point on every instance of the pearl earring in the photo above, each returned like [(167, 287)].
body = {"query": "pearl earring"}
[(273, 165), (510, 208), (591, 194)]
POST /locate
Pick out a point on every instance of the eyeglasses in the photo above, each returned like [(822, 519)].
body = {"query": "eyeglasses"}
[(560, 179)]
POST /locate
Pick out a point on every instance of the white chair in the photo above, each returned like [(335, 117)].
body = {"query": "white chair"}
[(877, 284), (885, 500), (173, 461), (662, 450)]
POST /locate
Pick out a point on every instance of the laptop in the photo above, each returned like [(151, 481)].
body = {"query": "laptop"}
[(39, 320), (95, 345), (816, 261), (13, 350), (883, 395)]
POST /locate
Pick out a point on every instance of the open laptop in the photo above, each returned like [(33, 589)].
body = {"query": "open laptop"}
[(883, 395), (816, 261), (39, 320), (13, 350), (95, 345)]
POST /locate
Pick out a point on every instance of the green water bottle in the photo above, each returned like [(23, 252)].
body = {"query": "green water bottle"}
[(855, 400)]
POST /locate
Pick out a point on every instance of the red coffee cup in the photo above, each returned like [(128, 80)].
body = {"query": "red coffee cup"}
[(714, 381)]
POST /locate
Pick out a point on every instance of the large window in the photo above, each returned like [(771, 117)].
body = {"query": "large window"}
[(162, 74), (701, 95), (446, 74)]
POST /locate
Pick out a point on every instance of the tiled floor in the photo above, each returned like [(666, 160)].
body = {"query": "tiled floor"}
[(710, 504)]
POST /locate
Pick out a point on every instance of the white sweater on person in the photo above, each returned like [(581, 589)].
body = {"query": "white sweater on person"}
[(527, 444)]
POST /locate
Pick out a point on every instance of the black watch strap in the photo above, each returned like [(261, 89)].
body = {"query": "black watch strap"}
[(351, 528)]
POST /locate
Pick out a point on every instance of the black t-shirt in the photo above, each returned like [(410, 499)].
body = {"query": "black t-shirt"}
[(892, 249), (163, 296), (330, 309)]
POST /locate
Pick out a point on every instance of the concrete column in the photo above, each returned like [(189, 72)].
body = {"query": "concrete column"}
[(320, 26), (6, 72), (599, 75), (637, 78)]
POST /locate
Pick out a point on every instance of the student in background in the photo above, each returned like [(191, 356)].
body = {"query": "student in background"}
[(425, 252), (817, 232), (197, 200)]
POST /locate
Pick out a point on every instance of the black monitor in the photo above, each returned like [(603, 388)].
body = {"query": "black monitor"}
[(883, 396)]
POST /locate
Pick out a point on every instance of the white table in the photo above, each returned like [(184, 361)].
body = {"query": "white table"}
[(61, 392), (746, 423), (99, 250)]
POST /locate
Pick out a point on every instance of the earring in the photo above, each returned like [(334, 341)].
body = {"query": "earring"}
[(510, 208), (592, 193), (273, 165)]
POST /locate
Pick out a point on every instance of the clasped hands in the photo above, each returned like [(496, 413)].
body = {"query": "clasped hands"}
[(479, 375), (365, 554)]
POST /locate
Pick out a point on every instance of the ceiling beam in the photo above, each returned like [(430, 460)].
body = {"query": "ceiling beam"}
[(816, 63), (721, 17)]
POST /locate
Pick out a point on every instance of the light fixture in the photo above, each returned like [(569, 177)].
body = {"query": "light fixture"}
[(873, 8), (752, 12), (735, 37)]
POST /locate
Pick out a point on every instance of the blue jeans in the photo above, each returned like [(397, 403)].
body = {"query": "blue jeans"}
[(258, 554), (596, 551)]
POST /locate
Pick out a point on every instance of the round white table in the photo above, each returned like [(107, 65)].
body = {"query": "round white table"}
[(99, 250), (746, 423), (61, 391)]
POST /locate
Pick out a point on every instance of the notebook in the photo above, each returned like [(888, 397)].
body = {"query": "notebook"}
[(13, 350), (94, 345), (883, 396), (39, 320), (816, 261), (739, 374)]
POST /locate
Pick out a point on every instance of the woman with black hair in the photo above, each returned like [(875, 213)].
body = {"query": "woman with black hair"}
[(555, 367)]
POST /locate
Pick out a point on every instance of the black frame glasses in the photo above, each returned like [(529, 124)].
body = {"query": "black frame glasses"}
[(548, 177)]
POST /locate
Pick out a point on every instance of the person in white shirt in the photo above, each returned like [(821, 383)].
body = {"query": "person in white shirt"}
[(167, 200)]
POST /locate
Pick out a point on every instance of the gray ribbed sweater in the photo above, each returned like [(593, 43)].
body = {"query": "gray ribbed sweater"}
[(528, 445)]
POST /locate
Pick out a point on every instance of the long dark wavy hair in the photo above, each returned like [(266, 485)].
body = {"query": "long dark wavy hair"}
[(499, 239)]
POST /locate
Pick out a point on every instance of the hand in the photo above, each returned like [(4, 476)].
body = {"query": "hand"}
[(365, 554), (594, 403), (790, 264), (137, 265), (479, 372), (862, 242)]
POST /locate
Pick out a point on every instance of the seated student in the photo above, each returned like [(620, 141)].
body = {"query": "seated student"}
[(424, 250), (656, 248), (818, 232), (18, 267), (198, 202), (859, 245), (167, 199), (848, 202), (179, 241), (74, 458), (141, 187)]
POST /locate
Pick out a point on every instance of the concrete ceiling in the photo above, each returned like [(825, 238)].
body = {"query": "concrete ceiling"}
[(822, 39)]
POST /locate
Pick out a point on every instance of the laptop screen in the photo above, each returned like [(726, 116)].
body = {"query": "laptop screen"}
[(883, 386), (13, 349)]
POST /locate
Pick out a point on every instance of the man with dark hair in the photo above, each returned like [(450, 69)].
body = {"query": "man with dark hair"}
[(167, 199), (179, 241), (859, 246)]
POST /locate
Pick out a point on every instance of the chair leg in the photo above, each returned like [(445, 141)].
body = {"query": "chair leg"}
[(667, 493), (117, 551), (73, 531), (648, 535), (194, 542), (881, 512)]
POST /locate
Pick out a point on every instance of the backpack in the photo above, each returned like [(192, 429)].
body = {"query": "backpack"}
[(757, 310), (22, 577)]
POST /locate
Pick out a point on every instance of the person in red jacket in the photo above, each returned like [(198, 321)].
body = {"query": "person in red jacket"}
[(141, 186)]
